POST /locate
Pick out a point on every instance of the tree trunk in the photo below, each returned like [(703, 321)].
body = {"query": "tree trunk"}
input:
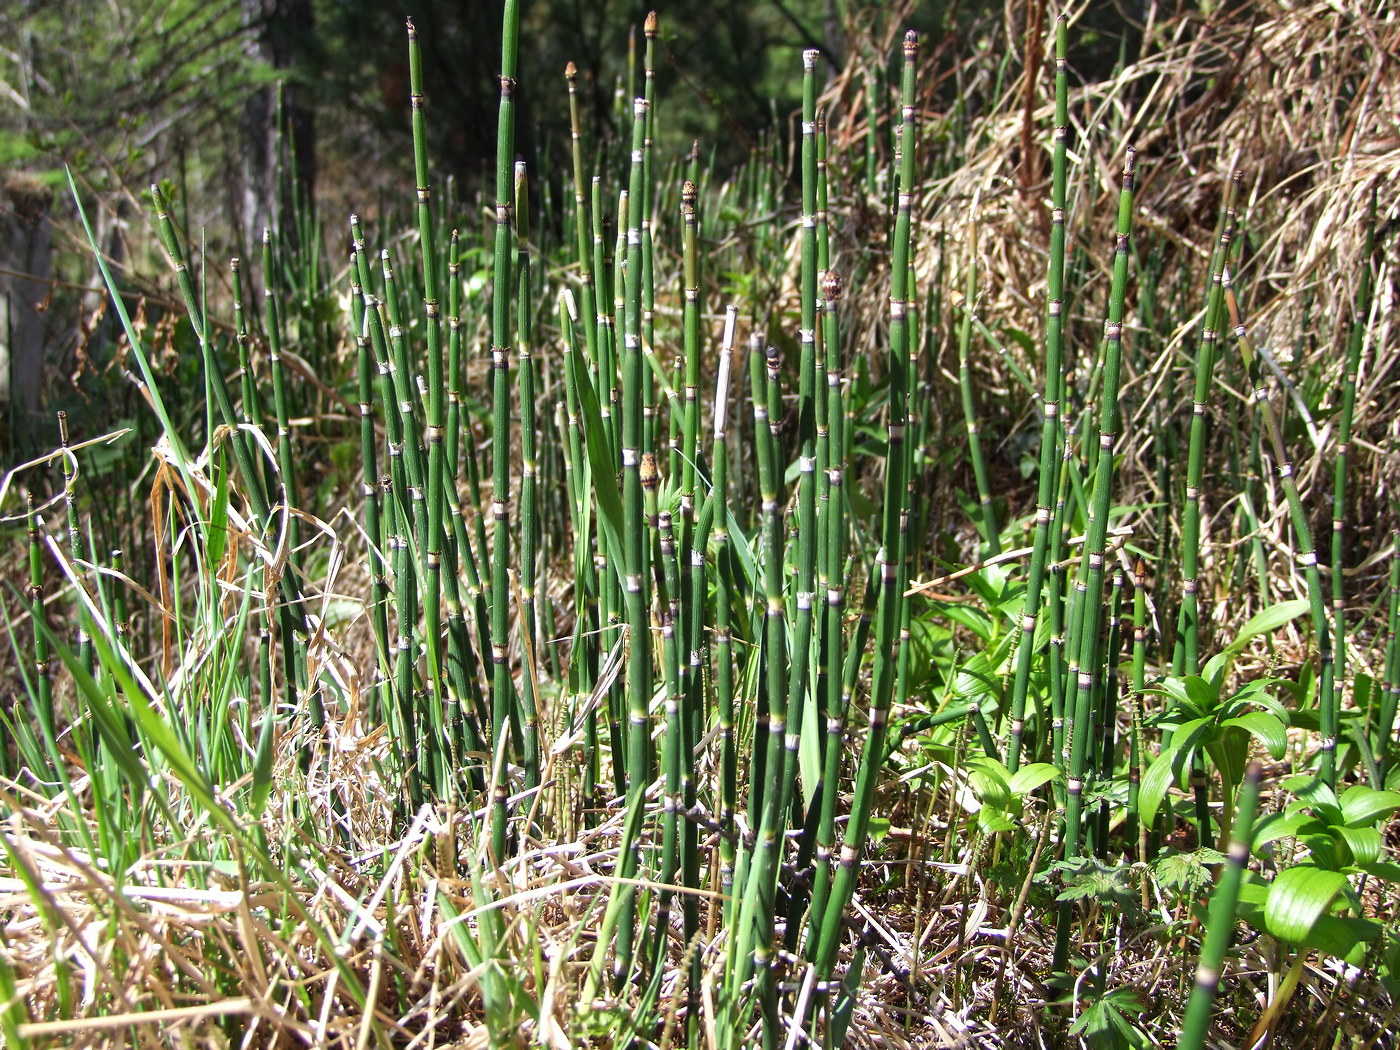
[(26, 256), (278, 173)]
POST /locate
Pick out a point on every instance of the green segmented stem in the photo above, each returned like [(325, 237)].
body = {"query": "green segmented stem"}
[(1132, 833), (252, 410), (889, 559), (436, 422), (1220, 920), (378, 569), (1390, 701), (752, 945), (281, 397), (1086, 641), (529, 482), (724, 643), (405, 405), (1360, 318), (294, 612), (1327, 698), (673, 757), (454, 356), (835, 701), (502, 689), (1050, 404), (43, 686), (69, 463), (1186, 655), (971, 421), (582, 219)]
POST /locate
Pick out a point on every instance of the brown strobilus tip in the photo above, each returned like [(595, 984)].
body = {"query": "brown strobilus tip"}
[(831, 286), (649, 26)]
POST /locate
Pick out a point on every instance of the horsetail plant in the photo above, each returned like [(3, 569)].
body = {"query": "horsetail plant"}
[(1186, 658), (1302, 533), (1360, 318), (435, 423), (1084, 638), (502, 686), (1049, 406), (890, 558), (1220, 920)]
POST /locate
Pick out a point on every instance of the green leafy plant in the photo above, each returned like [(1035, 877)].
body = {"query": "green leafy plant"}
[(1202, 716)]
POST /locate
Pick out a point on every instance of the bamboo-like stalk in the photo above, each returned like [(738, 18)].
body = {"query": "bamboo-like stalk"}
[(502, 688), (1050, 404), (1302, 532), (281, 397), (891, 600), (1132, 835), (752, 945), (455, 416), (435, 428), (378, 569), (673, 758), (43, 685), (582, 219), (1087, 643), (1360, 318), (1186, 655), (810, 381), (971, 422), (727, 789), (294, 613), (1390, 701), (529, 481), (69, 463), (250, 404), (1220, 920)]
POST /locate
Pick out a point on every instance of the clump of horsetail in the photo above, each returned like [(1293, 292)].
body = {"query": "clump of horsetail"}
[(1087, 607), (1361, 310), (1050, 432), (1302, 531), (889, 558), (293, 613), (502, 685)]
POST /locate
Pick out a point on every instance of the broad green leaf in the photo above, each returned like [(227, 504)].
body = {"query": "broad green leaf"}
[(1276, 826), (1298, 898), (1270, 619), (1383, 869), (1344, 936), (1215, 668), (1254, 892), (990, 789), (991, 820), (1158, 780), (991, 767), (976, 680), (1033, 776), (1265, 728), (1364, 843), (1312, 792), (1257, 693), (262, 764), (1363, 805), (1327, 851), (1203, 694), (218, 522), (1174, 688)]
